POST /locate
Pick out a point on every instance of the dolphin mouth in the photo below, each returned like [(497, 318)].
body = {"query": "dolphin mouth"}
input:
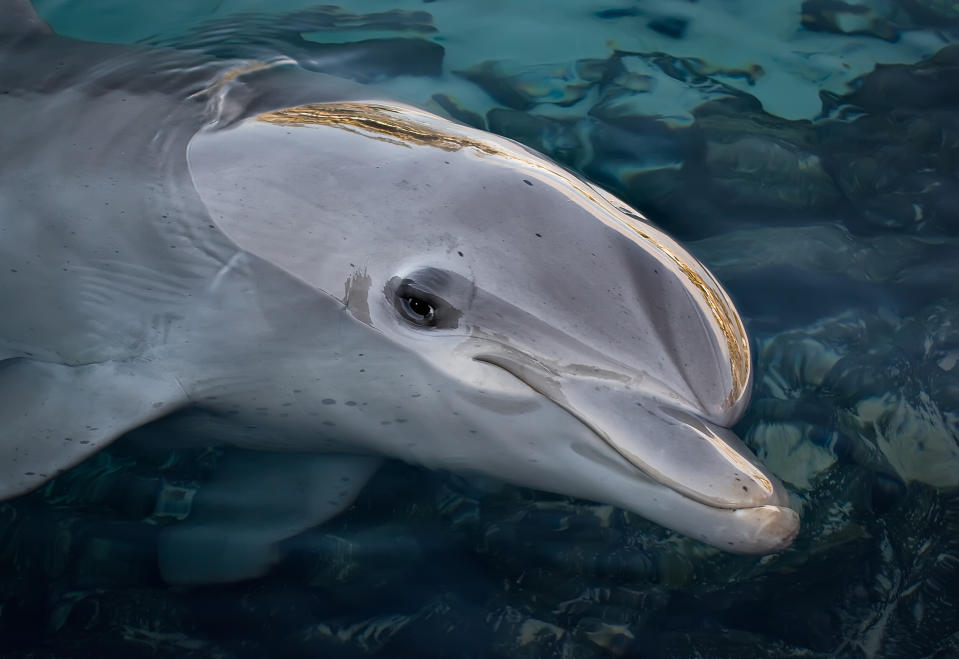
[(754, 523), (753, 530), (675, 448)]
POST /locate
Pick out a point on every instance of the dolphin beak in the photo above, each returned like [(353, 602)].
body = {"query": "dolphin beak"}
[(726, 497), (668, 441), (702, 461), (673, 445)]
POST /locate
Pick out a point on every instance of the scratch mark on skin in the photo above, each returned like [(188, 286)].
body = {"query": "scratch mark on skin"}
[(231, 265)]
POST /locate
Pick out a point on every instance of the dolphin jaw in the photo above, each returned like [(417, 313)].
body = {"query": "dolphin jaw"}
[(766, 490), (759, 489)]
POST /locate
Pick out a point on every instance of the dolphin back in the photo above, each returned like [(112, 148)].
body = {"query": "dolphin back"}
[(19, 18)]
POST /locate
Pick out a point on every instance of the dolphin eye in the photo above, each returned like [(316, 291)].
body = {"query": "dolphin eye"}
[(417, 310), (422, 298)]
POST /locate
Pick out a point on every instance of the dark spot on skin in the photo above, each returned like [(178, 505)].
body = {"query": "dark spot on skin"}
[(745, 489), (527, 182), (328, 401), (539, 235), (460, 253), (29, 473), (68, 439), (362, 370), (416, 395), (83, 441), (286, 404), (351, 403)]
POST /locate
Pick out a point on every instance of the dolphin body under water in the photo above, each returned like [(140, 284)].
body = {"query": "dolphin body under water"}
[(301, 269)]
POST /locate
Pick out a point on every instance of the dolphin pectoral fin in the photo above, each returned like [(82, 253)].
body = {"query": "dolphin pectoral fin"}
[(255, 501), (53, 416)]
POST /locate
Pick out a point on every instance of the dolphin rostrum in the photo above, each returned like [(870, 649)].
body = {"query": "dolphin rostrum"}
[(291, 265)]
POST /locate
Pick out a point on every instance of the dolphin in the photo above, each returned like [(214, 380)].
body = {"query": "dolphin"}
[(289, 264)]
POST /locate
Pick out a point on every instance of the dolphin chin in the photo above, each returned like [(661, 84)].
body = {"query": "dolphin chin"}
[(731, 503), (762, 529), (669, 445)]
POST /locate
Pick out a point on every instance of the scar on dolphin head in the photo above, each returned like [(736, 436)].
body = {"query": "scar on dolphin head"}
[(356, 296)]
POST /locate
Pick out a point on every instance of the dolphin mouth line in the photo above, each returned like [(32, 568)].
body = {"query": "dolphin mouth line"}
[(516, 372)]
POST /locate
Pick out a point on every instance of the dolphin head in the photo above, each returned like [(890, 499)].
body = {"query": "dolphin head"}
[(565, 343)]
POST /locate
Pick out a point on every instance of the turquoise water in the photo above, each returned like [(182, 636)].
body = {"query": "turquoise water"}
[(808, 153)]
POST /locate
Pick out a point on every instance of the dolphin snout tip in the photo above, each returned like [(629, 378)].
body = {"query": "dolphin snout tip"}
[(774, 529)]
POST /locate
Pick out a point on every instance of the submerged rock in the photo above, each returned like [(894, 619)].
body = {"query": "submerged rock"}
[(520, 88), (869, 388), (850, 18)]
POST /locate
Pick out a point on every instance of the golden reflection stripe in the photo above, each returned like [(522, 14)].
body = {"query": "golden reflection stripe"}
[(409, 126), (361, 117)]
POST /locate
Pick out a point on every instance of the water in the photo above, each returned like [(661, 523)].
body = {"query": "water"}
[(806, 152)]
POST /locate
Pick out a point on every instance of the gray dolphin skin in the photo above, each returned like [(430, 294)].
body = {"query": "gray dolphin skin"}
[(288, 264)]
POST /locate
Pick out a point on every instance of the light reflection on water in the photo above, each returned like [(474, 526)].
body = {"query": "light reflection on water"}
[(820, 189)]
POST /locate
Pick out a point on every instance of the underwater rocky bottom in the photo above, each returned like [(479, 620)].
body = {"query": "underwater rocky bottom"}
[(429, 565)]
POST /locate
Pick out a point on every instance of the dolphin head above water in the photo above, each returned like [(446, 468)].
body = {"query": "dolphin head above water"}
[(309, 271), (520, 322)]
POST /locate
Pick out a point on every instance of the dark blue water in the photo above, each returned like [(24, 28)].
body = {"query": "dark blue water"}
[(807, 152)]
